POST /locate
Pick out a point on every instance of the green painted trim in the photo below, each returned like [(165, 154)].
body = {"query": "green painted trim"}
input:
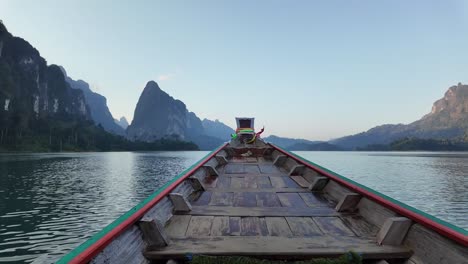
[(424, 214), (75, 252)]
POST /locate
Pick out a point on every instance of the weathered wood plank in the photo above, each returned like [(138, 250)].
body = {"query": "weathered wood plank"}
[(268, 168), (335, 190), (333, 225), (237, 182), (204, 199), (221, 199), (296, 170), (251, 168), (253, 226), (199, 226), (314, 200), (301, 181), (178, 225), (278, 226), (303, 226), (279, 190), (373, 212), (314, 246), (234, 169), (265, 199), (360, 226), (432, 248), (289, 182), (223, 182), (310, 175), (153, 232), (291, 200), (250, 182), (277, 182), (180, 203), (262, 211), (393, 231), (210, 170), (264, 182), (220, 226), (280, 160), (318, 184), (245, 199), (210, 181), (234, 226), (348, 202)]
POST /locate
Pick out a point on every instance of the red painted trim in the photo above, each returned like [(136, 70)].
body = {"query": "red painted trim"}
[(97, 247), (439, 228)]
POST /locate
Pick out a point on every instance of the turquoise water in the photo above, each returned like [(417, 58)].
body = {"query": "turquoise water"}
[(50, 203)]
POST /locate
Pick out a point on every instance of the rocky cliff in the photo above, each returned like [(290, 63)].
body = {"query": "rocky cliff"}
[(122, 122), (448, 119), (158, 115), (30, 90), (217, 129), (97, 103)]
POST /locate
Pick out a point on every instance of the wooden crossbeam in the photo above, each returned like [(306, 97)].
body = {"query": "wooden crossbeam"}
[(279, 161), (318, 184), (393, 231), (297, 170), (348, 202), (153, 233), (211, 170), (180, 203)]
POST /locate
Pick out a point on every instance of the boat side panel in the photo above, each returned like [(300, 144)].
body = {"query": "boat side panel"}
[(126, 248), (431, 248)]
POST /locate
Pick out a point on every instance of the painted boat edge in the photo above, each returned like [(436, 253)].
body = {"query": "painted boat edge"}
[(438, 225), (95, 244)]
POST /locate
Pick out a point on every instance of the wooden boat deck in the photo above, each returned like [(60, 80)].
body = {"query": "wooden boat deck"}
[(254, 208)]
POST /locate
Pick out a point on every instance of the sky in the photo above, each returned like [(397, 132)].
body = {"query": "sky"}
[(304, 69)]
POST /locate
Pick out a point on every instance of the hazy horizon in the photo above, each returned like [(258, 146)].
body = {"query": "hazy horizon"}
[(303, 69)]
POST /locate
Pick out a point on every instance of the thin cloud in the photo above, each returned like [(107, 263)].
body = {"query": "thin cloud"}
[(166, 77)]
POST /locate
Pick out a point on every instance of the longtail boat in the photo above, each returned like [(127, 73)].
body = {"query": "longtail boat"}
[(252, 198)]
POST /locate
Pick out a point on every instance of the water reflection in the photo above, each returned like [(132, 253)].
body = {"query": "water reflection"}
[(50, 203)]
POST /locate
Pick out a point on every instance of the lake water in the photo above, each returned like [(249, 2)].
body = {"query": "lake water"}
[(50, 203)]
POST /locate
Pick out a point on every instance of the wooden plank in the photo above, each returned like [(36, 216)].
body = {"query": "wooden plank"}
[(204, 199), (278, 226), (393, 231), (314, 200), (180, 203), (210, 170), (221, 199), (250, 182), (199, 226), (237, 182), (373, 212), (223, 182), (220, 226), (268, 168), (296, 170), (265, 199), (333, 225), (348, 202), (245, 199), (291, 200), (310, 175), (234, 226), (263, 182), (301, 181), (292, 248), (318, 184), (262, 211), (280, 160), (433, 248), (303, 226), (279, 190), (289, 182), (335, 190), (277, 182), (153, 232), (178, 225), (250, 168), (234, 169), (210, 181), (360, 226), (252, 226)]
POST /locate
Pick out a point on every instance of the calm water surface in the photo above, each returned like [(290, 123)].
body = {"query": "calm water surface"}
[(50, 203)]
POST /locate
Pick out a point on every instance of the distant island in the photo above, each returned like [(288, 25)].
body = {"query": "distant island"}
[(44, 109)]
